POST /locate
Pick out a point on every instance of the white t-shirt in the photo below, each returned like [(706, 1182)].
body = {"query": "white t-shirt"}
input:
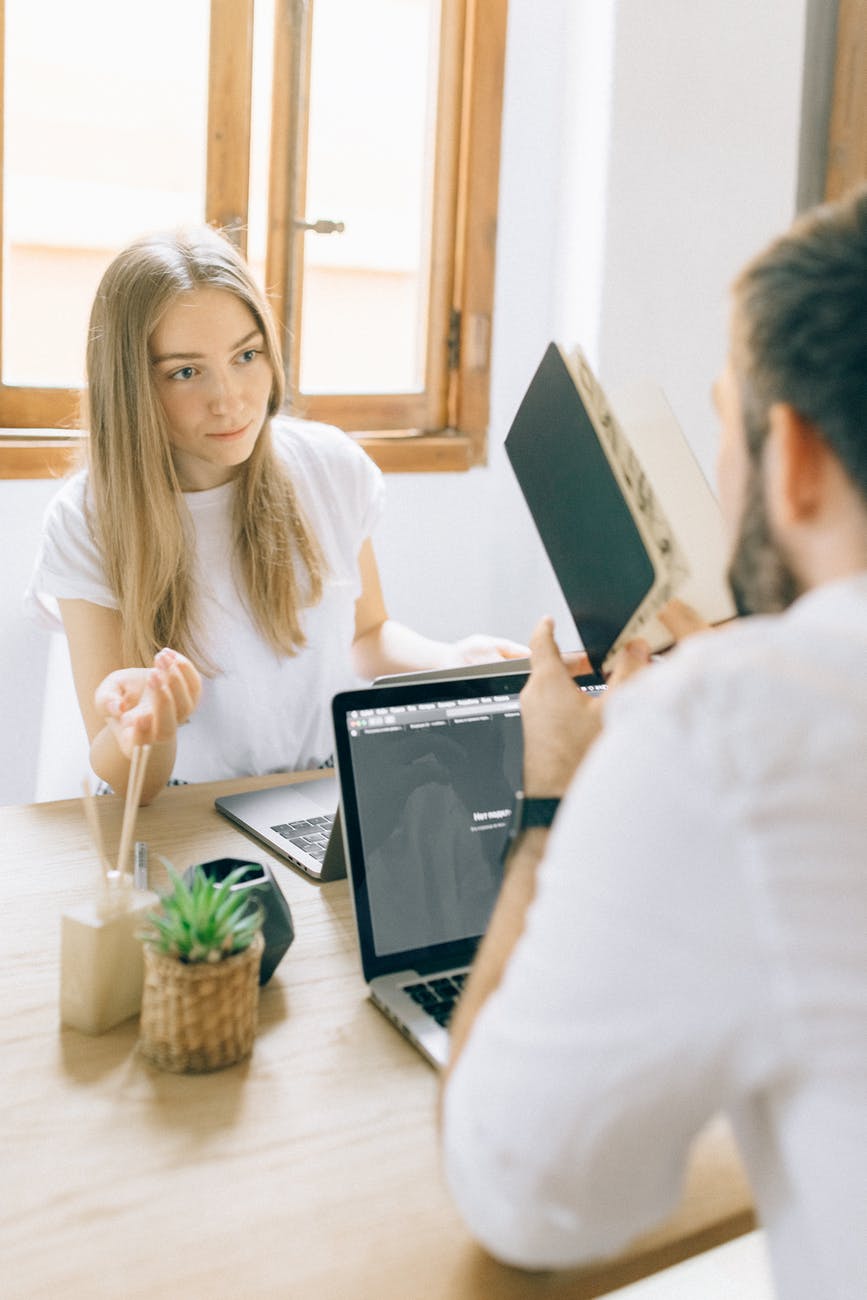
[(697, 943), (262, 712)]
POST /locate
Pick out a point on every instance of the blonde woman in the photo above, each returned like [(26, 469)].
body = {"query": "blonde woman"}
[(212, 563)]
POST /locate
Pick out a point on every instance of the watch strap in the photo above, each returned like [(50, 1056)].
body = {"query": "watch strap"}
[(529, 812)]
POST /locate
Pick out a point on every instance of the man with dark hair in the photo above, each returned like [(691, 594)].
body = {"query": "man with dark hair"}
[(691, 936)]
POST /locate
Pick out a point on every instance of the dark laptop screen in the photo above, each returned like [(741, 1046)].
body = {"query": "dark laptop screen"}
[(428, 774), (434, 784)]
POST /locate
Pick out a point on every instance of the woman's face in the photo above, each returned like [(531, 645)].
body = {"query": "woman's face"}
[(213, 378)]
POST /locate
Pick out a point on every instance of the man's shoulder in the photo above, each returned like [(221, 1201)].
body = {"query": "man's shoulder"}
[(764, 686), (825, 628), (705, 664)]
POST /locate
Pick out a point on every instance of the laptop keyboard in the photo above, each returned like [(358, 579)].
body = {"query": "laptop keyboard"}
[(438, 996), (311, 836)]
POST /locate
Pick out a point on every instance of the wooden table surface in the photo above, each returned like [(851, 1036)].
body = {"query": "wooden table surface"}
[(310, 1170)]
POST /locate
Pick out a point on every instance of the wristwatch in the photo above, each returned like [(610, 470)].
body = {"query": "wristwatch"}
[(528, 812)]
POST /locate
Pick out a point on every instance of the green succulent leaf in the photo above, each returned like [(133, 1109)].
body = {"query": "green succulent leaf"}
[(203, 921)]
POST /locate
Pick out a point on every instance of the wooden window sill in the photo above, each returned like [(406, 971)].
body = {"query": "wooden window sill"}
[(46, 455), (51, 454)]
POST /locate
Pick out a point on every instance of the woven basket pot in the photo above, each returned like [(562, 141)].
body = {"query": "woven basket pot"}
[(200, 1016)]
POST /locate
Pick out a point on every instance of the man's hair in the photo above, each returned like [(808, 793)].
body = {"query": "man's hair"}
[(137, 513), (801, 331)]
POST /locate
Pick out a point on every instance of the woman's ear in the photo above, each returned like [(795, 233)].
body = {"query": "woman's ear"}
[(795, 464)]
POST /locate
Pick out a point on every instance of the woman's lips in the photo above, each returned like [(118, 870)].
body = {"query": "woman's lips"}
[(230, 434)]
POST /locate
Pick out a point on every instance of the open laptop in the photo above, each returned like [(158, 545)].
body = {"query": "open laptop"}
[(295, 821), (300, 821), (428, 773)]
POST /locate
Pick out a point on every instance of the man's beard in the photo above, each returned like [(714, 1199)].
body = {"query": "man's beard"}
[(761, 580)]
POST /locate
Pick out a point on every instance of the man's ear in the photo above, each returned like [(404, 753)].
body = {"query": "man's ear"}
[(796, 464)]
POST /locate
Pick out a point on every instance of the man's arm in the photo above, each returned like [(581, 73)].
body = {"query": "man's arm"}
[(560, 724), (620, 997), (631, 1007), (503, 933)]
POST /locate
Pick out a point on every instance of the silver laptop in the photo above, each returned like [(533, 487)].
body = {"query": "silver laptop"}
[(301, 822), (297, 822), (428, 772)]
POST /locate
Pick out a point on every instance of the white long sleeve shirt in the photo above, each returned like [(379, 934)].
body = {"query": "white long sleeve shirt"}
[(697, 943)]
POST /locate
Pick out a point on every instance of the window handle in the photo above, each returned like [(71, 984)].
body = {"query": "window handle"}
[(321, 227)]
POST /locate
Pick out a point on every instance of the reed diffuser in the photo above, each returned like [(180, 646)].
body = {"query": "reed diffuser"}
[(101, 965)]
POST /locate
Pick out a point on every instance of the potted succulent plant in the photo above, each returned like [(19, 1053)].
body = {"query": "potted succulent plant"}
[(201, 974)]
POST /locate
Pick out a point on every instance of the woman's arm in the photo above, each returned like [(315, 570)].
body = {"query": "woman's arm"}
[(382, 646), (123, 707)]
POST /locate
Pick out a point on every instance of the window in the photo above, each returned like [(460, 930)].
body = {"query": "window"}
[(351, 150)]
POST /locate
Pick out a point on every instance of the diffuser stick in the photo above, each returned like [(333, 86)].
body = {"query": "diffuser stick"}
[(95, 829), (137, 768)]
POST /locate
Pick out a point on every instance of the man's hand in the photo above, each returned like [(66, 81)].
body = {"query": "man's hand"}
[(681, 619), (560, 723)]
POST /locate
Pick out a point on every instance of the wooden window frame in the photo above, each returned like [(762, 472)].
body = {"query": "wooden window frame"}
[(847, 133), (33, 443)]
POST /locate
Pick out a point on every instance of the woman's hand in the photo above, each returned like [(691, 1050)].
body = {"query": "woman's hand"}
[(145, 706), (481, 649)]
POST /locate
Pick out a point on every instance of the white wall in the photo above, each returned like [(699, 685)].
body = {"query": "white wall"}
[(458, 553), (648, 148), (704, 171), (23, 647)]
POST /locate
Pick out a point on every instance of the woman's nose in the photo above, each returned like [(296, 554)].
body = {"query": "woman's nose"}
[(225, 395)]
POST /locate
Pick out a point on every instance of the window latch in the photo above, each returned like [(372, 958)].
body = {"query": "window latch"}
[(321, 227)]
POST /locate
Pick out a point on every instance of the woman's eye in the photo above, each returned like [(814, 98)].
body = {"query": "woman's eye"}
[(185, 372), (248, 354)]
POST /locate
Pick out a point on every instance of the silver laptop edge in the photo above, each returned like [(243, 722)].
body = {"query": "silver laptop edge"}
[(431, 1039), (387, 992), (256, 812)]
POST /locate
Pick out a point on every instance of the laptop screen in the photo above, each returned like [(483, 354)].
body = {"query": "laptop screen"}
[(428, 774)]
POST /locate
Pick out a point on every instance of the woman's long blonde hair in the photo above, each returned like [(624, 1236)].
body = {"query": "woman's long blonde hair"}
[(138, 515)]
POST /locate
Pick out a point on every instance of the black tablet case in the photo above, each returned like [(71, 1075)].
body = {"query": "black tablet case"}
[(586, 526)]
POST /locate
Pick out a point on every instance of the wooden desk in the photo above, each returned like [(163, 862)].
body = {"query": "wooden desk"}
[(309, 1171)]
